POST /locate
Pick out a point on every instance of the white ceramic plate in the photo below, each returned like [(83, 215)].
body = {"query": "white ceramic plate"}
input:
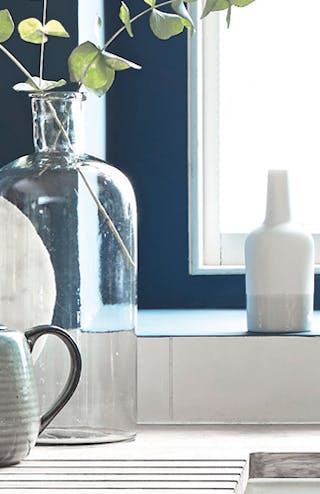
[(27, 280)]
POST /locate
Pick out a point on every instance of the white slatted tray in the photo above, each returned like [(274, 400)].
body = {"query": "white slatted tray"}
[(124, 476)]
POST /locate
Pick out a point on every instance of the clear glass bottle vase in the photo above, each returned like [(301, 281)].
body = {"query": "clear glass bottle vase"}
[(85, 213)]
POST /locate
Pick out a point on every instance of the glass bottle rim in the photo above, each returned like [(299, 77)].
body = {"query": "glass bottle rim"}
[(58, 95)]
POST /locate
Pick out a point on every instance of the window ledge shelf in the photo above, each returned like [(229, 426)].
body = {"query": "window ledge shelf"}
[(189, 373), (206, 322)]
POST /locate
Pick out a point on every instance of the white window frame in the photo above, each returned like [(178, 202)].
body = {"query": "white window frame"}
[(95, 108), (210, 252)]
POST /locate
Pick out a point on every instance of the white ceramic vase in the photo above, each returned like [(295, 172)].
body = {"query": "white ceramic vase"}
[(279, 258)]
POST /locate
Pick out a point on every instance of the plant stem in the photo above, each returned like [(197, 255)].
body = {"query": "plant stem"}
[(108, 219), (19, 65), (60, 125), (44, 19)]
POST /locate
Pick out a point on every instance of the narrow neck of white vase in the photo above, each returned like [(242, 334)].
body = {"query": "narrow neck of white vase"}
[(57, 122), (278, 198)]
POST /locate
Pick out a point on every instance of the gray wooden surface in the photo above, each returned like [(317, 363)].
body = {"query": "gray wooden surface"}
[(285, 465)]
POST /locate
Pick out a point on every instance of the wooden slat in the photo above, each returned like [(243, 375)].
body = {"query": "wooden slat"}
[(88, 476), (23, 490), (134, 463), (81, 483), (32, 470)]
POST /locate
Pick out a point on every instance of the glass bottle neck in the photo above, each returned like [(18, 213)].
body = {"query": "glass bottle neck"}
[(57, 122), (278, 198)]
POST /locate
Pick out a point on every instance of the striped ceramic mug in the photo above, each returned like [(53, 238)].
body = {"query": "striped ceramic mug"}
[(20, 419)]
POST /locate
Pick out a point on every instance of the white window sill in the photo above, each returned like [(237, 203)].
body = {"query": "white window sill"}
[(198, 322), (189, 373)]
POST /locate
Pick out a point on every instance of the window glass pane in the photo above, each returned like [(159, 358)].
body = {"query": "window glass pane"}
[(269, 109)]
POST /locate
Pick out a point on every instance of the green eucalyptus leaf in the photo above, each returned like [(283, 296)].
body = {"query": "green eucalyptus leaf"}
[(95, 68), (164, 25), (214, 6), (99, 76), (88, 65), (241, 3), (179, 8), (118, 63), (152, 3), (80, 59), (6, 25), (55, 28), (124, 15), (28, 86), (103, 89), (35, 83), (31, 30)]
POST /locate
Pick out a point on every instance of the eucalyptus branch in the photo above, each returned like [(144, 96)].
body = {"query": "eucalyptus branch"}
[(136, 17), (117, 33)]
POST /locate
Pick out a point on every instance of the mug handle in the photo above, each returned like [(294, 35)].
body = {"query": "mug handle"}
[(32, 335)]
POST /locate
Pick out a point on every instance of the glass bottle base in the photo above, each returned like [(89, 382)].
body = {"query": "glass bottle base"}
[(83, 436)]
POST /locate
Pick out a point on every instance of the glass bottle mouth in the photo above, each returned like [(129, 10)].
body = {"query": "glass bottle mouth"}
[(58, 95), (57, 122)]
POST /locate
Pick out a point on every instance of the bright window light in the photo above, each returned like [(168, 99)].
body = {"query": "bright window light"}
[(269, 109)]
